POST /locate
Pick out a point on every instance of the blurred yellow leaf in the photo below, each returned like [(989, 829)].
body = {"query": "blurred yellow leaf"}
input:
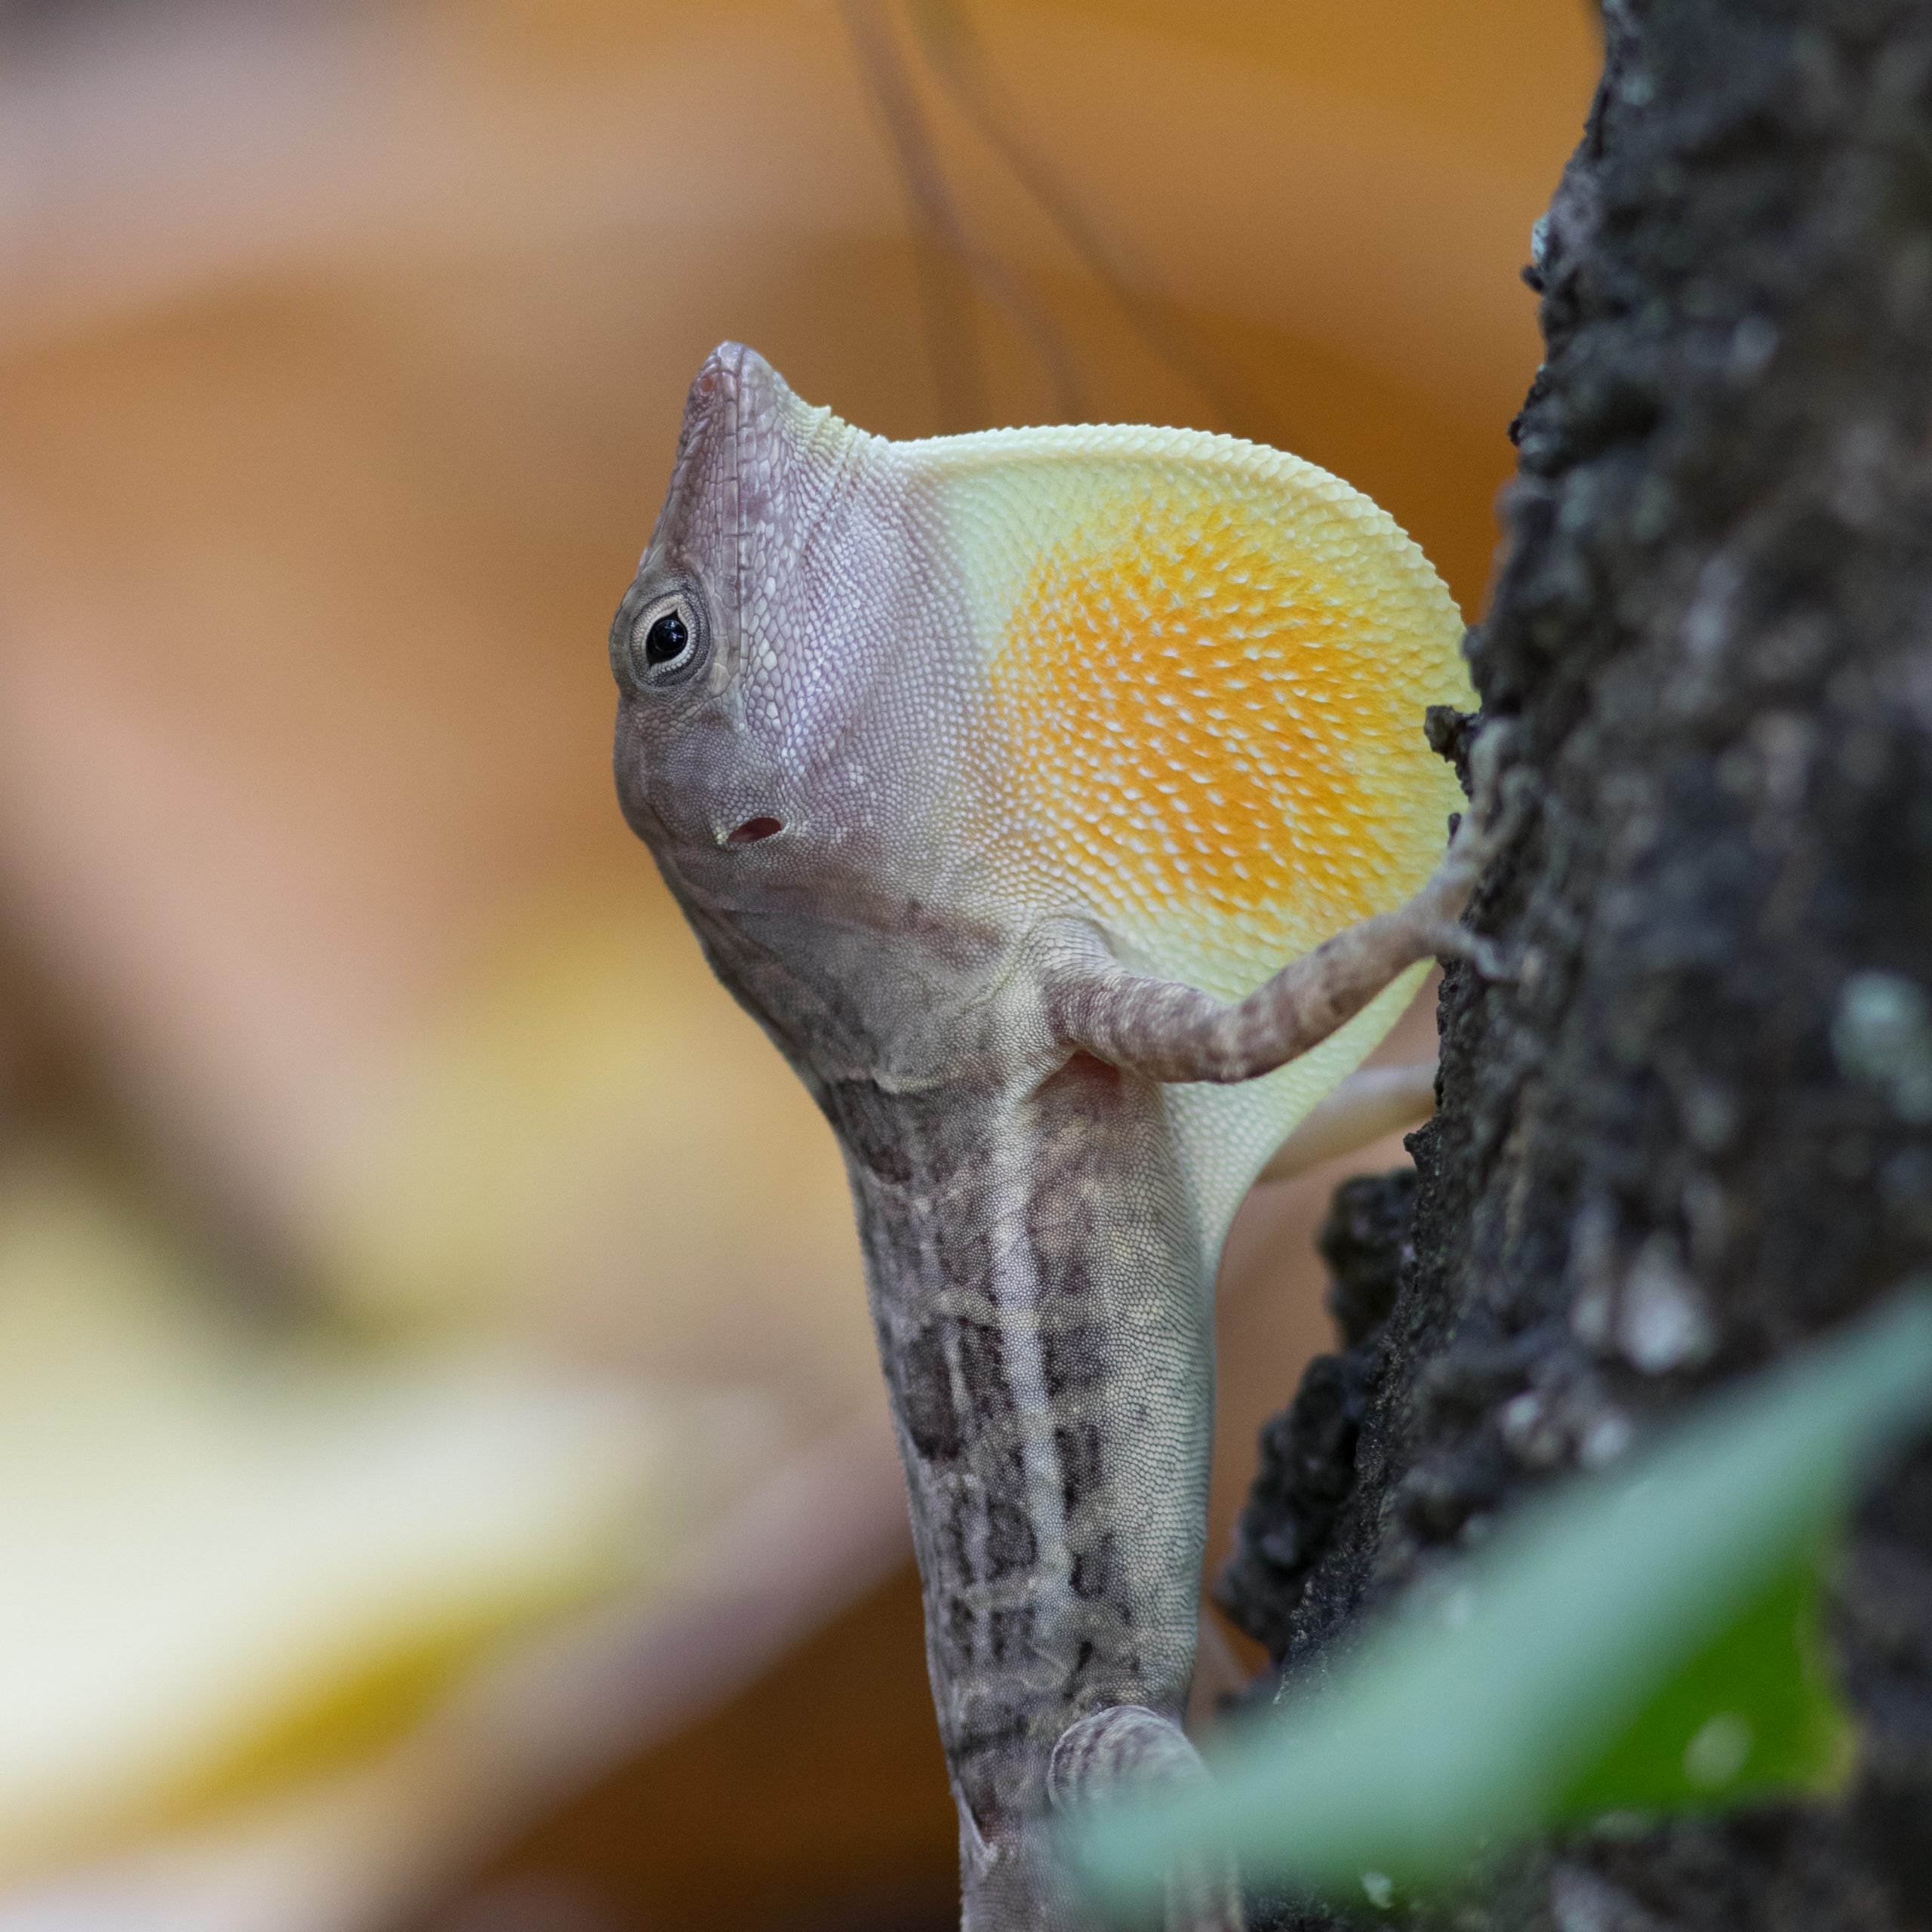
[(235, 1556)]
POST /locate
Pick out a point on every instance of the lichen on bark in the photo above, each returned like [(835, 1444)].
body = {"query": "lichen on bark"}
[(1695, 1127)]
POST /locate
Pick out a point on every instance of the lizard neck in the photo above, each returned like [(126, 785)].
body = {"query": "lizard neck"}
[(1042, 1306)]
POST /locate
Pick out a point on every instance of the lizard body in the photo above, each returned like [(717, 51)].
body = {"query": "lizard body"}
[(998, 775)]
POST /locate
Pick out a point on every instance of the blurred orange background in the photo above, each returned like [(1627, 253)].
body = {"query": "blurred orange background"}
[(347, 1039)]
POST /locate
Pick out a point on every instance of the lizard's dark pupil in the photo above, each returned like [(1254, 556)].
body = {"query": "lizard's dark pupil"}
[(665, 639)]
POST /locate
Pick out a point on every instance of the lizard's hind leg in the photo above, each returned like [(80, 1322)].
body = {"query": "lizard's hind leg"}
[(1129, 1749)]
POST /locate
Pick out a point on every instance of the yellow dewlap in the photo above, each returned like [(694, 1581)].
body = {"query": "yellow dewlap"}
[(1207, 682), (1206, 664)]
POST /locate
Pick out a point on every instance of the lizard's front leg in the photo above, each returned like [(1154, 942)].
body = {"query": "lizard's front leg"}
[(1165, 1030)]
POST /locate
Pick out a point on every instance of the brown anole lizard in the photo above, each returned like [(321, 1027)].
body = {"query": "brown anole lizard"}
[(999, 774)]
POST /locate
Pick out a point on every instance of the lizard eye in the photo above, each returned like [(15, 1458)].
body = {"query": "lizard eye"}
[(667, 640), (663, 642)]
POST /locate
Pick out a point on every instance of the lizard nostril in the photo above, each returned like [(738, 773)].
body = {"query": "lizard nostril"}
[(753, 830)]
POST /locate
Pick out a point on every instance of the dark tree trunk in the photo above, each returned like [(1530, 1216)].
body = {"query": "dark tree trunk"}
[(1698, 1127)]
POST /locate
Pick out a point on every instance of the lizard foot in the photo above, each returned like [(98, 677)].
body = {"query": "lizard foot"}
[(1129, 1748)]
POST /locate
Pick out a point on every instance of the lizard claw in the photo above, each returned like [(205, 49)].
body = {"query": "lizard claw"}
[(1486, 765), (1499, 798), (1476, 950), (1499, 806)]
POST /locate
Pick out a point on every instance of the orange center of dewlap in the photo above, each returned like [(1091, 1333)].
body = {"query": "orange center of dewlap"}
[(1213, 706)]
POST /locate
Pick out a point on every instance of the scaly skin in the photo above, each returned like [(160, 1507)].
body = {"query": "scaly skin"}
[(998, 774)]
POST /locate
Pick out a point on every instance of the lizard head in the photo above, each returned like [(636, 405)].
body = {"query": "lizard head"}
[(698, 766), (760, 649)]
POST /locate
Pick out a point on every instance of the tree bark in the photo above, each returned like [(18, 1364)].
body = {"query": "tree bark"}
[(1694, 1129)]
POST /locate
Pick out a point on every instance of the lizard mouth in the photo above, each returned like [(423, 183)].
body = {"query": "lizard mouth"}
[(753, 830)]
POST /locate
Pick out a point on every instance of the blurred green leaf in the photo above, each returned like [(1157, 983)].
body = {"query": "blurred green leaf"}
[(1752, 1712), (1605, 1628)]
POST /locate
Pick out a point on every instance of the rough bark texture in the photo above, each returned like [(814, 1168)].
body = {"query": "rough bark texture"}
[(1694, 1130)]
